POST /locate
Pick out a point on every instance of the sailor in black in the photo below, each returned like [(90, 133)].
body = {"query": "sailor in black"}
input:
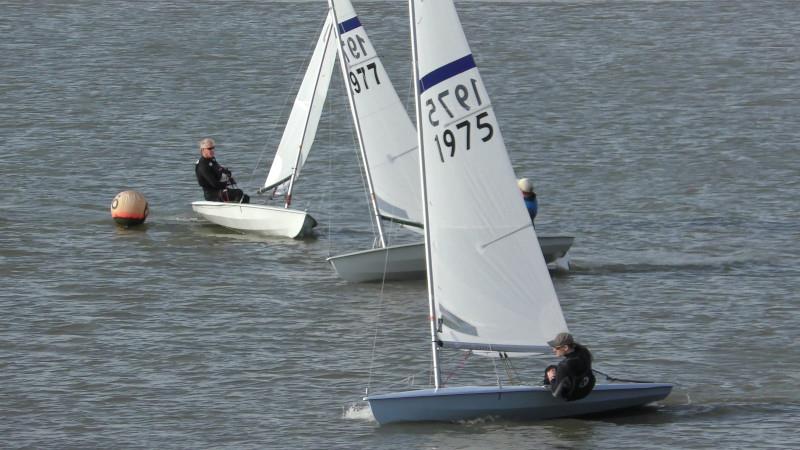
[(216, 180), (574, 378)]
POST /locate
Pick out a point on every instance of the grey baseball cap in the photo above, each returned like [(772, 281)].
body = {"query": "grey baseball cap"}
[(561, 339)]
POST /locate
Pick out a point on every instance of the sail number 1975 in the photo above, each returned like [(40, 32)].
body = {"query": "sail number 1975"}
[(442, 107)]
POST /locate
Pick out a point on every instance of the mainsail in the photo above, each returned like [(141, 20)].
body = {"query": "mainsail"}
[(387, 133), (488, 279), (304, 118)]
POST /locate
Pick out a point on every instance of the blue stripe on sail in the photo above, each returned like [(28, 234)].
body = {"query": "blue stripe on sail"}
[(446, 72), (349, 24)]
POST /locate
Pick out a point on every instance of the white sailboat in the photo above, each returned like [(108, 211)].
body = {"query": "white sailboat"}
[(388, 144), (485, 292), (292, 152)]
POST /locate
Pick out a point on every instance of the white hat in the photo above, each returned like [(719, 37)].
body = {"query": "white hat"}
[(525, 185)]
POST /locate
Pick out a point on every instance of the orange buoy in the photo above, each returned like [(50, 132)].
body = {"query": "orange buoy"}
[(129, 208)]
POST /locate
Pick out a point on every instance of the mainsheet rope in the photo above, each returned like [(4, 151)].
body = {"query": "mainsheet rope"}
[(610, 378)]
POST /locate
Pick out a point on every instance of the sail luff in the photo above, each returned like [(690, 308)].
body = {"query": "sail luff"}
[(301, 127), (432, 318), (327, 31), (387, 133), (354, 111)]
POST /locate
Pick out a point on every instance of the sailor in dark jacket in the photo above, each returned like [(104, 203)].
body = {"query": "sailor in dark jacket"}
[(215, 179), (573, 378)]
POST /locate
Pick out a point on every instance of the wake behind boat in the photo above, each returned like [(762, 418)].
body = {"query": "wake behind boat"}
[(488, 289)]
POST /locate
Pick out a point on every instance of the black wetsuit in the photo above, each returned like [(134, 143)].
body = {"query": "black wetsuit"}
[(209, 177), (574, 377)]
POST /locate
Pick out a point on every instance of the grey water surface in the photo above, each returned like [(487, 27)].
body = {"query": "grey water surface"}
[(662, 135)]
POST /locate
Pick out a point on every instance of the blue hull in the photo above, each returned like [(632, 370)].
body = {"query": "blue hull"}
[(513, 402)]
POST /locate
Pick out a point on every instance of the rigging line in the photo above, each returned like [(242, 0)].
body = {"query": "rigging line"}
[(380, 303), (516, 372), (496, 373), (364, 186), (458, 368), (408, 380), (287, 99), (511, 371), (508, 373), (610, 378), (378, 318), (377, 322), (391, 235), (330, 211), (363, 174)]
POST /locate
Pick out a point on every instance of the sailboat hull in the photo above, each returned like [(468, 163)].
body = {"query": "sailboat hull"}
[(513, 402), (397, 262), (407, 262), (257, 219), (555, 247)]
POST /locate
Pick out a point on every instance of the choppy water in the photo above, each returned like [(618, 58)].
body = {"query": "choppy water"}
[(663, 135)]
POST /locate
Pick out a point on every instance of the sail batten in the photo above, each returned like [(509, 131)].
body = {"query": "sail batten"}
[(273, 185), (400, 221)]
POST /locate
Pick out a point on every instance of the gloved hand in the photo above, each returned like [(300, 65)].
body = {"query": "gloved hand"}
[(226, 171), (223, 178)]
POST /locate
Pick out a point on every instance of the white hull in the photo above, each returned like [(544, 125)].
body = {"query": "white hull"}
[(258, 219), (401, 262), (407, 262), (513, 402)]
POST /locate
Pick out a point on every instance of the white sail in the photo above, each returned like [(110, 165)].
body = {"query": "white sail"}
[(477, 233), (388, 135), (488, 279), (304, 118)]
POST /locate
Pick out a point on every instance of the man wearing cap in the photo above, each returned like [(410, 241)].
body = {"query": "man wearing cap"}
[(526, 186), (573, 376)]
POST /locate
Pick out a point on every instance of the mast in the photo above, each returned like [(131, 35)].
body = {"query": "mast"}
[(305, 128), (357, 123), (426, 218)]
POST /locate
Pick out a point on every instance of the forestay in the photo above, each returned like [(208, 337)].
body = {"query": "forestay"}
[(304, 118), (388, 135), (490, 284)]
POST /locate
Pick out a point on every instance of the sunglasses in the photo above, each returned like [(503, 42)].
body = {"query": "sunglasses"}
[(209, 148)]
